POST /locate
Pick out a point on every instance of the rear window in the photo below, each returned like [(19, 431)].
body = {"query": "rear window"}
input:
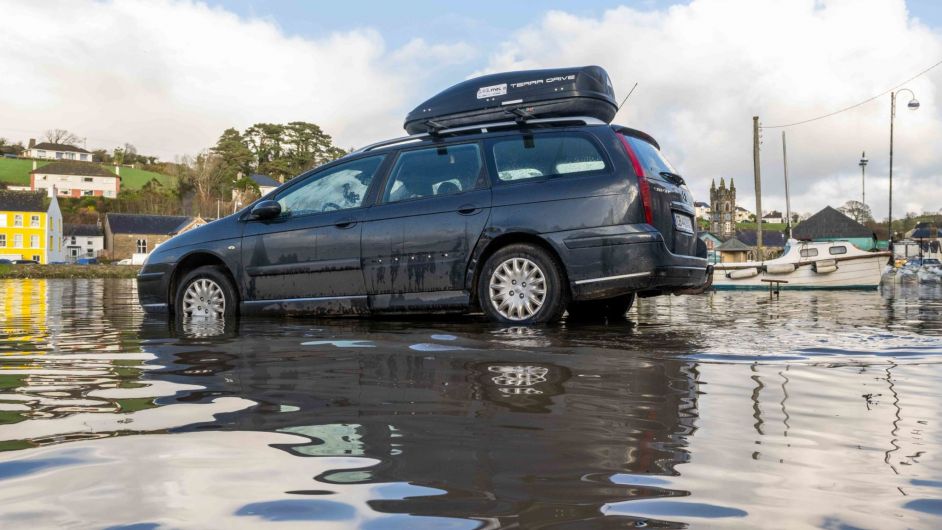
[(528, 157), (650, 157)]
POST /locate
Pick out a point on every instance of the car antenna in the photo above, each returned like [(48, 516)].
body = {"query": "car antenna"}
[(624, 100)]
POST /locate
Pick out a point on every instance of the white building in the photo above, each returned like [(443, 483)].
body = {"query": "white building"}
[(774, 216), (75, 179), (703, 210), (82, 241), (51, 151), (742, 214)]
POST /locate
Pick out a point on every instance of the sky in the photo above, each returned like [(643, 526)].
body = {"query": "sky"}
[(170, 75)]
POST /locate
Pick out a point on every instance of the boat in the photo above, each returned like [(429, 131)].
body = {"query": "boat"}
[(807, 265)]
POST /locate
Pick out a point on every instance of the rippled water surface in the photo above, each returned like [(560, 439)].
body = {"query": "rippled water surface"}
[(730, 409)]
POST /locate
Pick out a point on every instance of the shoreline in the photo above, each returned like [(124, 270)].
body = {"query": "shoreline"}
[(26, 272)]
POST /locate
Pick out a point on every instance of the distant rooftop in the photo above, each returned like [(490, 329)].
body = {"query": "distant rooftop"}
[(84, 230), (135, 223), (85, 169), (264, 181), (829, 223), (23, 201), (49, 146), (733, 245)]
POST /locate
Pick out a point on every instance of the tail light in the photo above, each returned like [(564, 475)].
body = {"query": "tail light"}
[(643, 188)]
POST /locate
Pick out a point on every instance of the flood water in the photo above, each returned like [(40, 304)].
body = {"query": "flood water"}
[(820, 409)]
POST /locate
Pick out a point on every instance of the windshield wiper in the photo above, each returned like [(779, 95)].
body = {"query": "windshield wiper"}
[(673, 177)]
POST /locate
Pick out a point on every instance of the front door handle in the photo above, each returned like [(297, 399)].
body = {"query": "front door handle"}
[(469, 209), (346, 223)]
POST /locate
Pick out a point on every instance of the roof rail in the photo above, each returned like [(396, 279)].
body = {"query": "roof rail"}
[(483, 127)]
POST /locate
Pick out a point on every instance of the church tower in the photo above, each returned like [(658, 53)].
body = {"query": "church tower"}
[(723, 209)]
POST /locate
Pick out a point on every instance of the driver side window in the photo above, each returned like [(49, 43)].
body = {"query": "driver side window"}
[(339, 188)]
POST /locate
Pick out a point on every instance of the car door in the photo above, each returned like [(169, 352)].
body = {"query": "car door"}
[(309, 256), (419, 237)]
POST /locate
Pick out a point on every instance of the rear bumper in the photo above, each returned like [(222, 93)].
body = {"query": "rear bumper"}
[(616, 260)]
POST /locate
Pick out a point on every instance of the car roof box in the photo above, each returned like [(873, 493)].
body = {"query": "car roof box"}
[(527, 94)]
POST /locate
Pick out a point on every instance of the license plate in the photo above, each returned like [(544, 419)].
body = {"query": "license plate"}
[(683, 223)]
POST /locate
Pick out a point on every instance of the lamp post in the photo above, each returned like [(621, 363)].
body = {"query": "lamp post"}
[(912, 105), (863, 178)]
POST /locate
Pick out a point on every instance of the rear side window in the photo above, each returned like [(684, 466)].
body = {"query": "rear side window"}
[(443, 170), (650, 157), (528, 157)]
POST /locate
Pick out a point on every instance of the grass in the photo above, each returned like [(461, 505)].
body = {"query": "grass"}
[(68, 271), (16, 172)]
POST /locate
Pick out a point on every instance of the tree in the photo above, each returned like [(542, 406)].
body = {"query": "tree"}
[(61, 136), (857, 211)]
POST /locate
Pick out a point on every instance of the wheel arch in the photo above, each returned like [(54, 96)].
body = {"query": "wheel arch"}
[(487, 248), (191, 262)]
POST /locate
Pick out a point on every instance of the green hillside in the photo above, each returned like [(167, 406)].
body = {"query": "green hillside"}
[(16, 172)]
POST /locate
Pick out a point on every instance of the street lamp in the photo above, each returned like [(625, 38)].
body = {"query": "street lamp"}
[(863, 178), (912, 105)]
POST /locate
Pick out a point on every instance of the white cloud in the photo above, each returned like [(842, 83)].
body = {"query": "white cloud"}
[(706, 68), (170, 76)]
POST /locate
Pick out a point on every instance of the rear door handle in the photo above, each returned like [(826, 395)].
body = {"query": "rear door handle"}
[(469, 209), (346, 223)]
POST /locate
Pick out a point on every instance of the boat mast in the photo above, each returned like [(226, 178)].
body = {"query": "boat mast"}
[(788, 205), (758, 182)]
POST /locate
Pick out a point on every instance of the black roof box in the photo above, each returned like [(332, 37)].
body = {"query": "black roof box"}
[(526, 94)]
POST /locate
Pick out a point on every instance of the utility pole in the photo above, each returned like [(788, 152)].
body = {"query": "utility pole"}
[(758, 179), (788, 204), (863, 178)]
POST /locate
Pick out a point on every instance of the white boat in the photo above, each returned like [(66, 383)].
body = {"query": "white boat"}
[(807, 265)]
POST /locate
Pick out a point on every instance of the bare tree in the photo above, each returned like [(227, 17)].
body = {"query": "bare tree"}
[(857, 211), (61, 136)]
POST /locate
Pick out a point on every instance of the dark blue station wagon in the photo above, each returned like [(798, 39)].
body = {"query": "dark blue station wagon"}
[(522, 220)]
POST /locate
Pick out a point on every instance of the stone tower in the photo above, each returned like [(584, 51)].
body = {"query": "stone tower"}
[(723, 209)]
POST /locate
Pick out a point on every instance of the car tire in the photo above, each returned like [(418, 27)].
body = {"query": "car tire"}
[(504, 294), (212, 281), (608, 309)]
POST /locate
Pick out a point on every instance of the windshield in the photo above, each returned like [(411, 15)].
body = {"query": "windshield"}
[(651, 159)]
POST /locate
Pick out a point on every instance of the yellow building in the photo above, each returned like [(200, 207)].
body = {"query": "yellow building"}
[(30, 227)]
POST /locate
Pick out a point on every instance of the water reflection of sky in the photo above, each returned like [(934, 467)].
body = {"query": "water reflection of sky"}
[(817, 409)]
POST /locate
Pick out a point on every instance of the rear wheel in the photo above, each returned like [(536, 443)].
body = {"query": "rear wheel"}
[(610, 308), (206, 293), (522, 284)]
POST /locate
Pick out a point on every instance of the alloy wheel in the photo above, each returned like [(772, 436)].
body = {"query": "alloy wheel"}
[(517, 289), (204, 298)]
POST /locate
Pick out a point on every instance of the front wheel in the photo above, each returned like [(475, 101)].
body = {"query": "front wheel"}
[(522, 284), (206, 293), (611, 308)]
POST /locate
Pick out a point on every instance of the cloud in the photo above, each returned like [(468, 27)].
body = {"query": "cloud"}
[(170, 76), (704, 69)]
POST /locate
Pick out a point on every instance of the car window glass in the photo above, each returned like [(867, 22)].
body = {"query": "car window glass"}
[(837, 250), (444, 170), (651, 159), (527, 157), (338, 188)]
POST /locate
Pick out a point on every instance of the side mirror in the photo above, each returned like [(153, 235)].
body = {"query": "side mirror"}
[(265, 210)]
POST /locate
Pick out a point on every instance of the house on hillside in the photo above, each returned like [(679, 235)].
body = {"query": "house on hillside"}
[(830, 224), (743, 215), (82, 241), (75, 179), (265, 185), (30, 226), (51, 151), (774, 216), (127, 234), (702, 210)]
